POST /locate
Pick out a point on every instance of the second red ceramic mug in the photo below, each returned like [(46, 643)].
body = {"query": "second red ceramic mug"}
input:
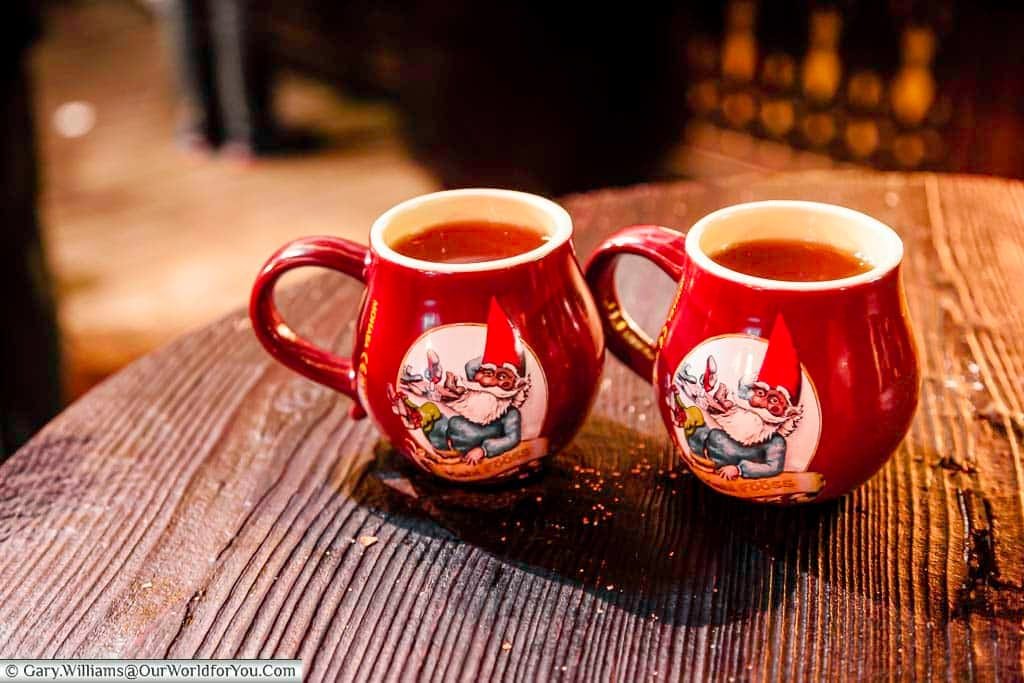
[(774, 391), (475, 371)]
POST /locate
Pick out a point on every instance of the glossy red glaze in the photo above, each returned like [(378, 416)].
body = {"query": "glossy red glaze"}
[(545, 298), (661, 246), (854, 343), (280, 340)]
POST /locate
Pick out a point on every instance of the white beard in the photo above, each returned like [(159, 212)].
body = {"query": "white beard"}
[(749, 425), (484, 405)]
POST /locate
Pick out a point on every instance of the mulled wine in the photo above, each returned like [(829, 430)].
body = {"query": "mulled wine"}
[(791, 260), (469, 242)]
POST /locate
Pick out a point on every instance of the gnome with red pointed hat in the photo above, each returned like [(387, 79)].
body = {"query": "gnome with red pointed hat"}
[(483, 418), (750, 426)]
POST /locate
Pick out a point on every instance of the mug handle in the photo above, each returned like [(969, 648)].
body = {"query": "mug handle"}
[(664, 248), (279, 339)]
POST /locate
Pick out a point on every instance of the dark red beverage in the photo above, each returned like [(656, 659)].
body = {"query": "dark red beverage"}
[(791, 260), (469, 242)]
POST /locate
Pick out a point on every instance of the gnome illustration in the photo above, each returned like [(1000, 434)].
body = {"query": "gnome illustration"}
[(481, 413), (744, 432)]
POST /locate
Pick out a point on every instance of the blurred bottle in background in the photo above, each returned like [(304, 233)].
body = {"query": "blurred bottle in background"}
[(870, 45)]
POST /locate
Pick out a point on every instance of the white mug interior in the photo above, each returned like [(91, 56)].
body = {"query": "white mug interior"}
[(490, 205), (845, 229)]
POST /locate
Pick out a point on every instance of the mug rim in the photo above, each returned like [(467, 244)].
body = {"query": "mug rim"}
[(890, 243), (560, 234)]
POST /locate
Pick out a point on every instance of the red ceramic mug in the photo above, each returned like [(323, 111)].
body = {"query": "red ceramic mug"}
[(773, 391), (474, 371)]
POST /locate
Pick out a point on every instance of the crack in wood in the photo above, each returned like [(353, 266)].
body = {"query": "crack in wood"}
[(977, 592), (1003, 420), (187, 619)]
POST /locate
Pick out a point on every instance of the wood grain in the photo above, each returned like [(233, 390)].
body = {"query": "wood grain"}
[(206, 502)]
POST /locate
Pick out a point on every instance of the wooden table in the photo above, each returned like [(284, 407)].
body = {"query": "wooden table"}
[(206, 502)]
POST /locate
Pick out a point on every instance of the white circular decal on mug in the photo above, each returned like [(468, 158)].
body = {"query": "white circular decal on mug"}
[(473, 398), (746, 416)]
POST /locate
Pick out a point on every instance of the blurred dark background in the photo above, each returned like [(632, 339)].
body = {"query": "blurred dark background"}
[(154, 152)]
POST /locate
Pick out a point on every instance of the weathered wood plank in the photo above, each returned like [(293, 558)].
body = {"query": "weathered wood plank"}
[(206, 502)]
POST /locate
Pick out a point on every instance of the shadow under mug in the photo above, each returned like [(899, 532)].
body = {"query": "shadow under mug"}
[(773, 391), (474, 371)]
